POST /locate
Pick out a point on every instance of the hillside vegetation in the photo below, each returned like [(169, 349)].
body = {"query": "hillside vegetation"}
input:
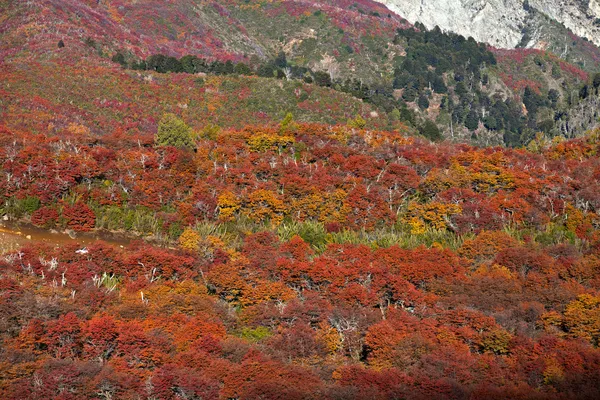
[(371, 264), (364, 51), (309, 200)]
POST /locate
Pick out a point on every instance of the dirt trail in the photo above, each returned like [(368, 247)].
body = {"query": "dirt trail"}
[(13, 237)]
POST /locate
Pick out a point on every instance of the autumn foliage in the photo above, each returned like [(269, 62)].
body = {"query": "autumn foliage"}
[(79, 217), (282, 260)]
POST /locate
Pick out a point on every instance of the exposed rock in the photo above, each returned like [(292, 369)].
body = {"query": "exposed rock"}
[(502, 23)]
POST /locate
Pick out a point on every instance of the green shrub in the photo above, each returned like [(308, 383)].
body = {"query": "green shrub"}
[(172, 131), (257, 334)]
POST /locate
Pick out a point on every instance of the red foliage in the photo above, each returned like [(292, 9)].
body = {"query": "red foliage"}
[(79, 217), (367, 209), (64, 336), (46, 217)]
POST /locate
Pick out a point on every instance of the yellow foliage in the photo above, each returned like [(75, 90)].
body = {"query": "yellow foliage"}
[(553, 373), (574, 218), (486, 245), (215, 241), (114, 13), (495, 271), (189, 240), (358, 122), (329, 337), (228, 204), (190, 288), (438, 180), (263, 142), (78, 129), (288, 124), (378, 138), (551, 319), (496, 341), (334, 207), (490, 181), (307, 207), (477, 170), (539, 144), (210, 131), (448, 336), (502, 271), (207, 246), (582, 318), (323, 207), (263, 205), (340, 133), (264, 291), (417, 226), (433, 214)]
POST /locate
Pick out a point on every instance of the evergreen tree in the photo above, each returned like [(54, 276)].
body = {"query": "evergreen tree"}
[(156, 62), (423, 102), (444, 105), (281, 60), (322, 78), (584, 92), (532, 101), (119, 58), (266, 71), (438, 85), (287, 124), (460, 89), (596, 80), (409, 94), (407, 115), (395, 115), (228, 67), (553, 97), (490, 123), (430, 130), (472, 120), (188, 63), (242, 69)]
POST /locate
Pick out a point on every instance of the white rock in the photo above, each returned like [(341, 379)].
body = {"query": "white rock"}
[(499, 22)]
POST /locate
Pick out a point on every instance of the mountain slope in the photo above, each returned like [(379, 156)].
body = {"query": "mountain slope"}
[(350, 35), (291, 259), (57, 71), (48, 96), (557, 26)]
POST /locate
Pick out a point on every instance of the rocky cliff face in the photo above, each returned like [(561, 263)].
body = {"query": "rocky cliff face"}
[(504, 23)]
